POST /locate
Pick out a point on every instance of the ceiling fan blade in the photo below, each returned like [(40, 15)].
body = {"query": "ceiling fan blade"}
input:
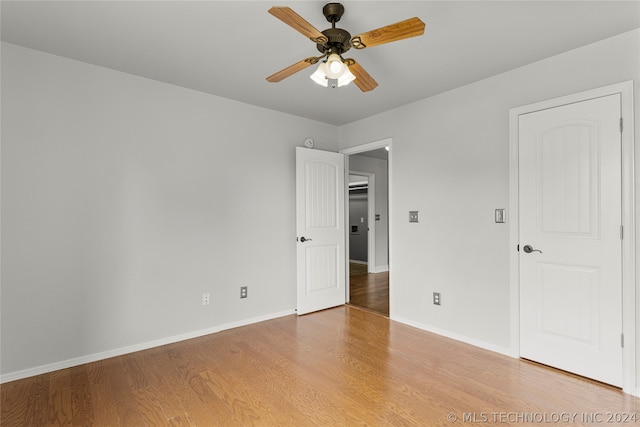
[(363, 80), (298, 23), (411, 27), (292, 69)]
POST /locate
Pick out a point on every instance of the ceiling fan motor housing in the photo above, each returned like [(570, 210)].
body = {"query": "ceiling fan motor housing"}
[(339, 40)]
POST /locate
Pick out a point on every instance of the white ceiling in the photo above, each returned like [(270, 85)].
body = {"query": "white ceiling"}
[(227, 48)]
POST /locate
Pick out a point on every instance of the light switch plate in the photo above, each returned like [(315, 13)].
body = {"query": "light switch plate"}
[(413, 216), (500, 216)]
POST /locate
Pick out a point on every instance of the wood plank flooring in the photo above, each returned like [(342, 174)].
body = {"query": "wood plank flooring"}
[(368, 291), (338, 367)]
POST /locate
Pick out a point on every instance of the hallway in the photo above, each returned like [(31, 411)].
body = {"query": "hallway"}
[(369, 291)]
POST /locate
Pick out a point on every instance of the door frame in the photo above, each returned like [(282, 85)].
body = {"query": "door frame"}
[(387, 142), (371, 223), (625, 89)]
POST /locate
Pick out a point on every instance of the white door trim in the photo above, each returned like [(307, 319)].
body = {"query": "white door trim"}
[(625, 89), (371, 223), (387, 142)]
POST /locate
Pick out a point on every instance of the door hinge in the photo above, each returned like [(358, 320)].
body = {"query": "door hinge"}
[(621, 125), (621, 232), (622, 340)]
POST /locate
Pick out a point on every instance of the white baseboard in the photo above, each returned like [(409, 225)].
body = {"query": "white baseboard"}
[(477, 343), (26, 373), (380, 268), (376, 268), (474, 342)]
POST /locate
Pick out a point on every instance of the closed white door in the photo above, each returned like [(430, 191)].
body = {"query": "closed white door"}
[(570, 243), (320, 197)]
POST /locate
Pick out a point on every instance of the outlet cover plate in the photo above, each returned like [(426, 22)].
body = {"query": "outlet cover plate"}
[(436, 298)]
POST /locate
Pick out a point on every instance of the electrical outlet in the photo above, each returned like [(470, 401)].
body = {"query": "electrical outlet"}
[(205, 299), (436, 298), (243, 291)]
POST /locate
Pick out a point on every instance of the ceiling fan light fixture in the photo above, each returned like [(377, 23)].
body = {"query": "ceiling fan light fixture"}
[(333, 71)]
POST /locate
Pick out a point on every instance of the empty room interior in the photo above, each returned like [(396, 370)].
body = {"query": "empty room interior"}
[(309, 213)]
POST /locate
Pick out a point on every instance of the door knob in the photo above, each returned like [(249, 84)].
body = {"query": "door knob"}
[(304, 239), (528, 249)]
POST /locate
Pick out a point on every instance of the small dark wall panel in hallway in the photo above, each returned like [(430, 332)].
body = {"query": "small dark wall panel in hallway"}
[(358, 225)]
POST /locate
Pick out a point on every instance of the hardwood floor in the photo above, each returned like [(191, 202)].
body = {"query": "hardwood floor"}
[(338, 367), (368, 291)]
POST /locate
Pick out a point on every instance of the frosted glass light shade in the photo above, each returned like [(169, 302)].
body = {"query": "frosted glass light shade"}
[(320, 75), (346, 77), (335, 66)]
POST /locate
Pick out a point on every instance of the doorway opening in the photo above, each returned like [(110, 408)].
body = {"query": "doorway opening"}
[(367, 214)]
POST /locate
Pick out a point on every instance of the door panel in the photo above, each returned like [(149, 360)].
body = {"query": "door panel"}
[(320, 193), (570, 214), (567, 289), (322, 268), (568, 176)]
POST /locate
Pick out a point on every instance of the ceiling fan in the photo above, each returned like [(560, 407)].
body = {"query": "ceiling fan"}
[(336, 71)]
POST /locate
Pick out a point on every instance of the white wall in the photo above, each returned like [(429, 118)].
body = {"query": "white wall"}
[(124, 199), (378, 167), (450, 162), (122, 202)]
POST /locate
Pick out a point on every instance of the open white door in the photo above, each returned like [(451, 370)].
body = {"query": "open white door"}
[(570, 242), (320, 194)]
